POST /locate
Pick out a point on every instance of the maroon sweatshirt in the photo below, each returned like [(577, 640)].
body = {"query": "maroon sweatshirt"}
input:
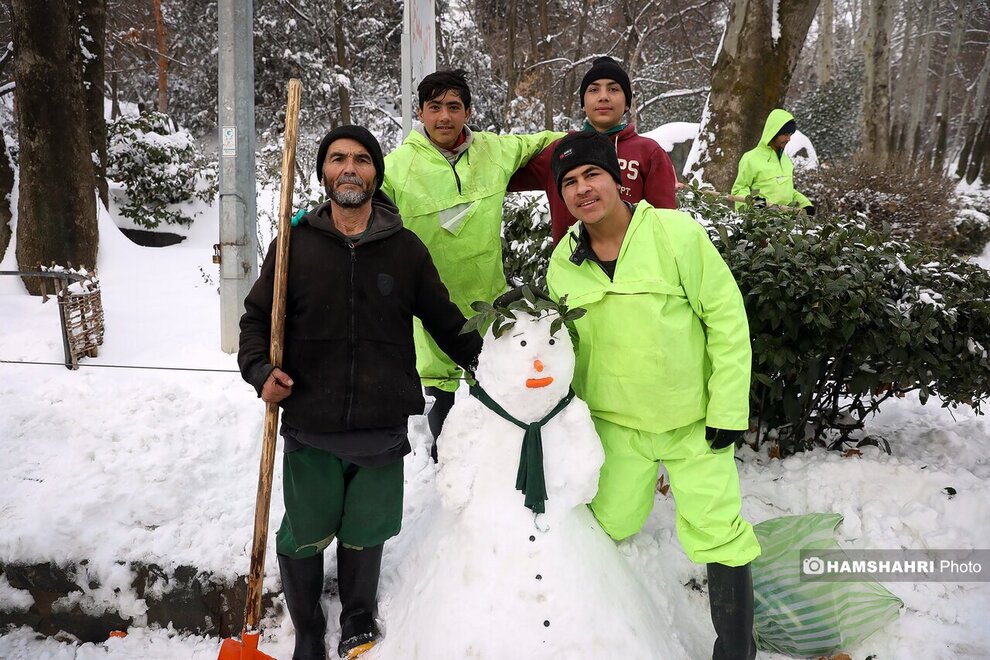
[(647, 173)]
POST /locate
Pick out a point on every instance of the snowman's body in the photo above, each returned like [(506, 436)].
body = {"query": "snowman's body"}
[(496, 580)]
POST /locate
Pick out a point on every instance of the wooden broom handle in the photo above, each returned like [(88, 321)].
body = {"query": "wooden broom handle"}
[(252, 615)]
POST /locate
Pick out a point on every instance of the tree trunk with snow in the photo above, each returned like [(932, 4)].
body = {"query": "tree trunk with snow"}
[(916, 94), (56, 209), (162, 39), (876, 97), (942, 102), (750, 78), (6, 187), (93, 20), (343, 92)]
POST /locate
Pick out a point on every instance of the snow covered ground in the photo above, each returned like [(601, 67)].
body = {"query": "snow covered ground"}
[(111, 464)]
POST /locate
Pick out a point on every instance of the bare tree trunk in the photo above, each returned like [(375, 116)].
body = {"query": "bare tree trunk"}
[(906, 63), (56, 208), (967, 148), (750, 78), (876, 97), (343, 66), (510, 62), (942, 103), (544, 54), (980, 158), (571, 83), (94, 19), (917, 93), (825, 32), (162, 57)]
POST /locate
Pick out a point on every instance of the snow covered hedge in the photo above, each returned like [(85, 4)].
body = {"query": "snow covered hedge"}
[(842, 319), (159, 165)]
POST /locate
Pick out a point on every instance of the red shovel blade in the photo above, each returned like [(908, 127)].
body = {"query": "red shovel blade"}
[(246, 649)]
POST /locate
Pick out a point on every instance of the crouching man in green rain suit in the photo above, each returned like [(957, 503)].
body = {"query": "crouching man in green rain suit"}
[(449, 183), (663, 362)]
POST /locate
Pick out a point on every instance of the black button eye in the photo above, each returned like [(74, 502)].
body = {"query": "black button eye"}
[(522, 343), (552, 342)]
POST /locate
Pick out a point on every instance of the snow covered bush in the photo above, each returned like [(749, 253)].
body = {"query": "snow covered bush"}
[(916, 203), (159, 165), (844, 317), (526, 240)]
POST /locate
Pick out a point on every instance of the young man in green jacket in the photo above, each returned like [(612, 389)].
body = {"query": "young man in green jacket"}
[(663, 362), (766, 172), (449, 182)]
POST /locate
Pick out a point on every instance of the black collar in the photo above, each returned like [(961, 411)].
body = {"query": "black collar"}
[(582, 242)]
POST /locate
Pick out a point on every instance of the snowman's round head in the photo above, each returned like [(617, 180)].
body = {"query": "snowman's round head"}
[(526, 369)]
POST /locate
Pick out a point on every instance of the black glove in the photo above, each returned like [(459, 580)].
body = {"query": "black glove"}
[(810, 210), (721, 438), (759, 203)]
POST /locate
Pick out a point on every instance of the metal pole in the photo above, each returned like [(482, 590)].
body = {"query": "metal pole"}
[(406, 77), (238, 223)]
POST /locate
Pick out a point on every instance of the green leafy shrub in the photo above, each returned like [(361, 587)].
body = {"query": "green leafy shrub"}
[(844, 317), (159, 165)]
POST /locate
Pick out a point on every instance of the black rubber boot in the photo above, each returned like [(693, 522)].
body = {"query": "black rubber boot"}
[(730, 596), (442, 404), (302, 585), (357, 579)]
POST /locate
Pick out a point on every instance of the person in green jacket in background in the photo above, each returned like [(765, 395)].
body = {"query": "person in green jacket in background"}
[(663, 362), (766, 172), (449, 182)]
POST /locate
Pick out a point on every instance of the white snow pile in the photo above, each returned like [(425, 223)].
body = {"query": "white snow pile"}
[(115, 465)]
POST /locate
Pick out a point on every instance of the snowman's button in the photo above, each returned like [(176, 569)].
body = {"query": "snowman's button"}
[(539, 577), (532, 538), (546, 624)]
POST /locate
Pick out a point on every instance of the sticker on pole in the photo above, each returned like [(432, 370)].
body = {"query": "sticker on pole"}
[(228, 140)]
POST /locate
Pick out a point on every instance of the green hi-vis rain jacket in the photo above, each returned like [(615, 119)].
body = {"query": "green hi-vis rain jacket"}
[(666, 342), (762, 174), (457, 212)]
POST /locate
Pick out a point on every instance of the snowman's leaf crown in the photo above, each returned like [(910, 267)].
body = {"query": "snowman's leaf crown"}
[(502, 315)]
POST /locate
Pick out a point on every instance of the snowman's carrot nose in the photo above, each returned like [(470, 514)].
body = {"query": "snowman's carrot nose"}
[(538, 366)]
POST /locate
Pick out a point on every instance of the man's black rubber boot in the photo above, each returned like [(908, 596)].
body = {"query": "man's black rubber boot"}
[(357, 579), (302, 585), (730, 596), (443, 402)]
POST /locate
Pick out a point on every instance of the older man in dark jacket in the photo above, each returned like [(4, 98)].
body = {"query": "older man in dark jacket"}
[(356, 279)]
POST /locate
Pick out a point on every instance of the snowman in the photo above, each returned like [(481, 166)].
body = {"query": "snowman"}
[(512, 563)]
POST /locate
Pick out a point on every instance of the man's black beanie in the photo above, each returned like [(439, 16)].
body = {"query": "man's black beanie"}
[(788, 129), (361, 135), (584, 148), (606, 67)]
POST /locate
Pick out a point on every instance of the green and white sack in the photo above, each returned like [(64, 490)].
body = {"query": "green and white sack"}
[(810, 619)]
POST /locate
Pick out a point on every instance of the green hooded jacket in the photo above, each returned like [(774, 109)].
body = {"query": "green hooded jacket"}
[(666, 342), (762, 173), (456, 210)]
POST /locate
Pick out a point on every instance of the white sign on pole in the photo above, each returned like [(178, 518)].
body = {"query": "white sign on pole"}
[(419, 52)]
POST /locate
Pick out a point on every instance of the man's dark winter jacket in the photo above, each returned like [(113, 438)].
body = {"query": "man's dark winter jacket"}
[(348, 326)]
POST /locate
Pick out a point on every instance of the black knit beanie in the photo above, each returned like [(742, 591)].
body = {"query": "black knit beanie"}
[(584, 148), (788, 129), (606, 67), (361, 135)]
